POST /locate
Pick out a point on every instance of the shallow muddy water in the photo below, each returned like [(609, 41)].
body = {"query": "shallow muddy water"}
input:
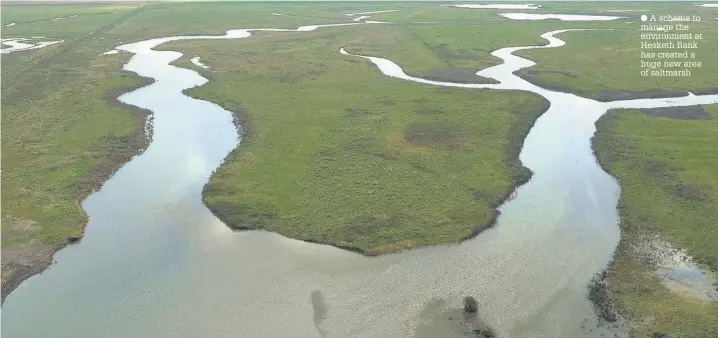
[(155, 262)]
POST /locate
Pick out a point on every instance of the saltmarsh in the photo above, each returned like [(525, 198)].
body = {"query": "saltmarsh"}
[(606, 64), (64, 133), (668, 170), (666, 166), (334, 152)]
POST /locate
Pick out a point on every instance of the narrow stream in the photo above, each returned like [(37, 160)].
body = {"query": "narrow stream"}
[(155, 262)]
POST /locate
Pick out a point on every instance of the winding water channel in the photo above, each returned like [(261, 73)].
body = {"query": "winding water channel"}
[(155, 262)]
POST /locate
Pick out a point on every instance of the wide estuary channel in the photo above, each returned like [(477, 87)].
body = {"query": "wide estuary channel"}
[(154, 262)]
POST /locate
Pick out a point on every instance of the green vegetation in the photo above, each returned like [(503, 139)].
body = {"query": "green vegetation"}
[(335, 152), (666, 166), (605, 64), (64, 132), (376, 147), (368, 157), (464, 39), (382, 166), (668, 169)]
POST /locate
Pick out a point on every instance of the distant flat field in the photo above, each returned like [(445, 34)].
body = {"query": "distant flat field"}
[(605, 64), (55, 2)]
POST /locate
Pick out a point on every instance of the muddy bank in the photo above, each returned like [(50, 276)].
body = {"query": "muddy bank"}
[(118, 150), (603, 303), (678, 270), (681, 113), (608, 293), (605, 95), (706, 91), (246, 129), (22, 261), (616, 95), (457, 75), (519, 173), (603, 298)]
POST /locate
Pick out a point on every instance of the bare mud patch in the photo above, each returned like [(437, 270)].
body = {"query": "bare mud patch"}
[(676, 268), (21, 261), (692, 192), (705, 91), (434, 135), (355, 112), (618, 95)]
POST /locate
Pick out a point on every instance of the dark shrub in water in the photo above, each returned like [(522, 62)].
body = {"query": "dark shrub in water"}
[(484, 333), (470, 305)]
